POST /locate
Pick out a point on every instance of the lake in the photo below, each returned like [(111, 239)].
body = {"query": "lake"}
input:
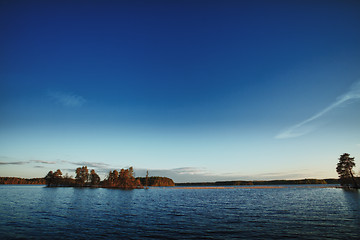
[(37, 212)]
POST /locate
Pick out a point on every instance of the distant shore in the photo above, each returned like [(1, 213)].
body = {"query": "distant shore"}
[(258, 182), (218, 184)]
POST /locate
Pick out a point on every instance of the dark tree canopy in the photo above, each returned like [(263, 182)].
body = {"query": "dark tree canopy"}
[(344, 169), (49, 178), (94, 178), (55, 179), (82, 175)]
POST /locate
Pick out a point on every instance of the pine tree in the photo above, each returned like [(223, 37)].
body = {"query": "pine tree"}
[(344, 169)]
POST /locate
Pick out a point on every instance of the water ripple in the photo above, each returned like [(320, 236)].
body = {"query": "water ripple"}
[(35, 212)]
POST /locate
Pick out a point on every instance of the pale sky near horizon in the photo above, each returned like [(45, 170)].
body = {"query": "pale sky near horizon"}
[(192, 90)]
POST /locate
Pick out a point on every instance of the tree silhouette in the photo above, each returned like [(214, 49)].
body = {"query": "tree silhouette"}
[(57, 177), (344, 169), (49, 178), (54, 178)]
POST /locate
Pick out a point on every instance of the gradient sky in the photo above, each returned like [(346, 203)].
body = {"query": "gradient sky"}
[(192, 90)]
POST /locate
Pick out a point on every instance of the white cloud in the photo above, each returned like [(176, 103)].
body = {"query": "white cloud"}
[(67, 99), (303, 128)]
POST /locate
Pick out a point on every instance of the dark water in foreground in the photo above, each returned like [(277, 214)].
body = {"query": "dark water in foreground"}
[(168, 213)]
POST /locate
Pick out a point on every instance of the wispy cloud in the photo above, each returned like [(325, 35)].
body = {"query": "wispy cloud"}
[(67, 99), (303, 128), (6, 162), (189, 170), (44, 162), (14, 163), (281, 175), (90, 164), (182, 174), (194, 174), (38, 166)]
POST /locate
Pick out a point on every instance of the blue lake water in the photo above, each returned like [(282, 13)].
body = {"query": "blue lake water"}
[(37, 212)]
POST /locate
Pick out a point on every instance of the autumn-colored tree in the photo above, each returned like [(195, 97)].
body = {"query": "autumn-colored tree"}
[(344, 169), (57, 174), (122, 173), (82, 175), (112, 178), (94, 178), (115, 175), (123, 179)]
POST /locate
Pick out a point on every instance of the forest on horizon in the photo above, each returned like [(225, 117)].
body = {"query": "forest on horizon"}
[(156, 181)]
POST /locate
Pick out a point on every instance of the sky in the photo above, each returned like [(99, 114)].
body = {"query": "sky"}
[(192, 90)]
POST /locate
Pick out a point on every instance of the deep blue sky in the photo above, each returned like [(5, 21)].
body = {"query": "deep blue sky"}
[(194, 90)]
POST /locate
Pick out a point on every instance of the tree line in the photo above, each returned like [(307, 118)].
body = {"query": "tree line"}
[(16, 180), (269, 182), (157, 181), (123, 179)]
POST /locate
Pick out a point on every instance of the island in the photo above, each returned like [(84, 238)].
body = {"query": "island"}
[(123, 179)]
